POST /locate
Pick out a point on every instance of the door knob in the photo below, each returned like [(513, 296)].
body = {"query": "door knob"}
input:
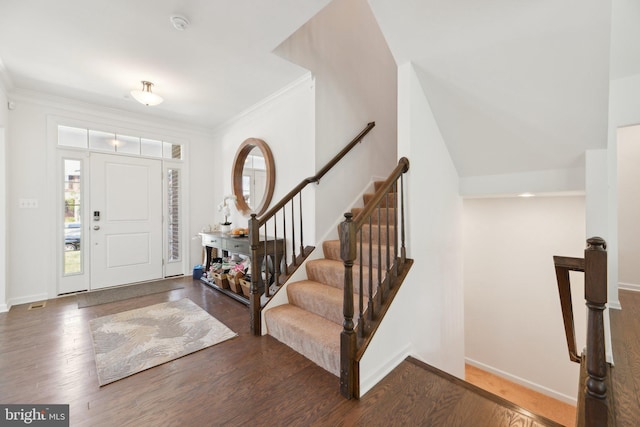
[(96, 227)]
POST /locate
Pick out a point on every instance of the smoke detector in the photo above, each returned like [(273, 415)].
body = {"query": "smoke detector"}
[(180, 23)]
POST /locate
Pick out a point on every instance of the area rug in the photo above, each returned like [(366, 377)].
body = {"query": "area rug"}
[(121, 293), (132, 341)]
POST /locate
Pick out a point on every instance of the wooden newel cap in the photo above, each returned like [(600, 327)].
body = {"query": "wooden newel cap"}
[(596, 244), (348, 216), (405, 162)]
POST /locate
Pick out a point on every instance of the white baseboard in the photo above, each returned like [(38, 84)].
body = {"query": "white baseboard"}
[(383, 370), (526, 383), (629, 286), (614, 305), (4, 308), (27, 299)]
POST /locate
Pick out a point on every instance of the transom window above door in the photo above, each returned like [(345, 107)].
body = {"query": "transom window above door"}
[(117, 143)]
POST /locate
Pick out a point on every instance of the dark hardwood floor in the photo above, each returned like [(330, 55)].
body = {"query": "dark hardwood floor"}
[(46, 356), (625, 375)]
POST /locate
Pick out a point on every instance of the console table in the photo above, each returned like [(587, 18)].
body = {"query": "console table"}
[(268, 248)]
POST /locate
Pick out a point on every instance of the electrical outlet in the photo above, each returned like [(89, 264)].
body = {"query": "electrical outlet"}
[(28, 203)]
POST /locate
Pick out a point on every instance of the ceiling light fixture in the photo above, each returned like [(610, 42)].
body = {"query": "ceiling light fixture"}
[(526, 195), (145, 96)]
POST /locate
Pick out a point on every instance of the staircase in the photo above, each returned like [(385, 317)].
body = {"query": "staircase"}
[(312, 321)]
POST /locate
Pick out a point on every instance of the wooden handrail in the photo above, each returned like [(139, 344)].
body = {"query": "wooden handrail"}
[(594, 265), (569, 263), (275, 273), (316, 178), (563, 265)]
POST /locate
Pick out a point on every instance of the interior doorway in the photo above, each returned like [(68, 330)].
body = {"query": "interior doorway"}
[(628, 145)]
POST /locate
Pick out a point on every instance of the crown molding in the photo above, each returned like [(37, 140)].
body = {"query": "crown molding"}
[(86, 108), (305, 78)]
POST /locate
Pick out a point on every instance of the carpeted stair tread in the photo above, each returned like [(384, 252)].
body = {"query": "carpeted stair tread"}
[(331, 272), (379, 215), (331, 250), (313, 336), (311, 322), (323, 300)]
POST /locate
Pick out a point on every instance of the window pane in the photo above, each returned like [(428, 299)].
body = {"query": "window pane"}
[(172, 151), (72, 137), (103, 141), (151, 147), (127, 144), (72, 217), (173, 197)]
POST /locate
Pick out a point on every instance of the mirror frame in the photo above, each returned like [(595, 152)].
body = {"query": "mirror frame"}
[(236, 175)]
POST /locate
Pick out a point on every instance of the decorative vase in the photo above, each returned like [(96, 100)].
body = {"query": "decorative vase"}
[(225, 228)]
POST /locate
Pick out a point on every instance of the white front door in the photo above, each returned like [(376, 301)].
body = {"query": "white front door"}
[(125, 219)]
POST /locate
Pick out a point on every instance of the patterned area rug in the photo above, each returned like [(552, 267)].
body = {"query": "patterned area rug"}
[(135, 340)]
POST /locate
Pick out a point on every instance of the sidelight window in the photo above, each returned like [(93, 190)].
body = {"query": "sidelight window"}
[(72, 224), (173, 222)]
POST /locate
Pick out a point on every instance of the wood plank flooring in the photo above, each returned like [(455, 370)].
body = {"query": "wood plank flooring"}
[(46, 356), (625, 374), (537, 403)]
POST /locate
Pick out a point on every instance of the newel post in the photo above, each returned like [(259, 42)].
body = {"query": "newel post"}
[(256, 277), (595, 268), (348, 335)]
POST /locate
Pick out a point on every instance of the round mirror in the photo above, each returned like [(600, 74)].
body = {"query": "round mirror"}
[(253, 176)]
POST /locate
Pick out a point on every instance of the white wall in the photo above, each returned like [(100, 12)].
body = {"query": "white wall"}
[(513, 320), (286, 122), (538, 182), (624, 110), (426, 318), (356, 83), (4, 122), (629, 206), (31, 174)]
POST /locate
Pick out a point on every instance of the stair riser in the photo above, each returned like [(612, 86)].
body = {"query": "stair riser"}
[(389, 201), (382, 216), (334, 276), (311, 297), (377, 236), (378, 233), (315, 338), (378, 184), (378, 256)]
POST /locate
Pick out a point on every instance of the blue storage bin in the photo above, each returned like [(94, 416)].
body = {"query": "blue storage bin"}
[(197, 272)]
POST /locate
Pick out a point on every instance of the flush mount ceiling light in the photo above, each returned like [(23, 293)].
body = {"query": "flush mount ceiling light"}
[(145, 96)]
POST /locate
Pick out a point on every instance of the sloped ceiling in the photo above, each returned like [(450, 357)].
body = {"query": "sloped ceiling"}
[(515, 86), (99, 50)]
